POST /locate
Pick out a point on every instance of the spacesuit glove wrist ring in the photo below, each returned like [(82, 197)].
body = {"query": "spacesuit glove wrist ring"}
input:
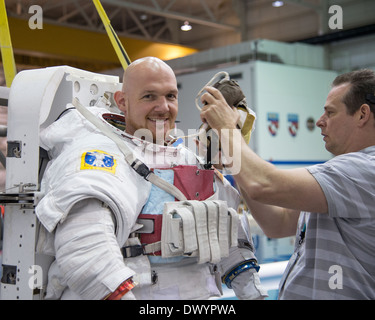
[(235, 271), (122, 289)]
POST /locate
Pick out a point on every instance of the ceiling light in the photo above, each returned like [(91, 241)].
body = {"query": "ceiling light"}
[(186, 26), (277, 4)]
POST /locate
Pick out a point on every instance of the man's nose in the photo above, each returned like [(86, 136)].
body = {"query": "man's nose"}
[(162, 104), (320, 122)]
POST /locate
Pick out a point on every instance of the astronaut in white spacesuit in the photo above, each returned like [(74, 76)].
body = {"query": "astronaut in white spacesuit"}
[(111, 239)]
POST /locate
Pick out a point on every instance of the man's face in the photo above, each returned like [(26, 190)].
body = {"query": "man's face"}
[(150, 101), (337, 126)]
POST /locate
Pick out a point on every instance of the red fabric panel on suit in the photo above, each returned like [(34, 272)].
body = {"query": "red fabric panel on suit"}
[(194, 183), (155, 236)]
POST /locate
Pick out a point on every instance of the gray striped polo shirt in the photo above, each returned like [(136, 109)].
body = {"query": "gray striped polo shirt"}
[(335, 257)]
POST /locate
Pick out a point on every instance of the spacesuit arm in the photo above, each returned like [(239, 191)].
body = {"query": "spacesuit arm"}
[(87, 253), (239, 271)]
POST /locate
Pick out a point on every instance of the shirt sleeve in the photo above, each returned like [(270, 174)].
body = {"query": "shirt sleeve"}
[(347, 186)]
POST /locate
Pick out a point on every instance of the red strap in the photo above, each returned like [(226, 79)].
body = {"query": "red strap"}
[(122, 289)]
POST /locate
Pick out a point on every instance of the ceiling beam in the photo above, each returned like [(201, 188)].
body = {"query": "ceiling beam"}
[(302, 3), (171, 14), (73, 13), (139, 24)]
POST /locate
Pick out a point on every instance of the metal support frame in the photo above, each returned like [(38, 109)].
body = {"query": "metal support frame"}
[(36, 99)]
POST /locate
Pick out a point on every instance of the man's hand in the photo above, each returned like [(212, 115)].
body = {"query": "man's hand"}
[(216, 112)]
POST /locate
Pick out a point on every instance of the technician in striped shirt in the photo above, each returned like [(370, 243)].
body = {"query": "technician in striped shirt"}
[(330, 207)]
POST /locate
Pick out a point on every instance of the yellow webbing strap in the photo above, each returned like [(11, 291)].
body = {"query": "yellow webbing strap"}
[(9, 64), (116, 43)]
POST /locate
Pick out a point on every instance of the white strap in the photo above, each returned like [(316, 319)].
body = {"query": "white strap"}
[(234, 226), (213, 221), (166, 186), (223, 228), (200, 215), (202, 229), (129, 157), (104, 129), (152, 247), (188, 225)]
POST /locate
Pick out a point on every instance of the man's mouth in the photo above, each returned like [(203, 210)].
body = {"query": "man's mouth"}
[(158, 120), (161, 123)]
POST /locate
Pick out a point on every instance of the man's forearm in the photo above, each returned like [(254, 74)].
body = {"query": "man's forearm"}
[(250, 173), (276, 222)]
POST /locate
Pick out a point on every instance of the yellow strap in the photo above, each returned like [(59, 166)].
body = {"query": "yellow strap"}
[(116, 43), (9, 64)]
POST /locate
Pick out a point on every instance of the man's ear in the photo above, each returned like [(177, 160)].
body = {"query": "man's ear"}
[(119, 97), (364, 114)]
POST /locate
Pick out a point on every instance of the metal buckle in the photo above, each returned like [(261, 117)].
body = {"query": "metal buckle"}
[(132, 251)]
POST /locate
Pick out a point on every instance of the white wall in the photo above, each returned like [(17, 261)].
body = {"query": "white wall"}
[(290, 92), (270, 88)]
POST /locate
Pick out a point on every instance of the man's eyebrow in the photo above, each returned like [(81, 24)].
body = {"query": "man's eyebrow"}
[(153, 91), (147, 92), (328, 107), (156, 91)]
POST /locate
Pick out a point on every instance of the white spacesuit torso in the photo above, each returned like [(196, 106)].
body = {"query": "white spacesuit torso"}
[(87, 165)]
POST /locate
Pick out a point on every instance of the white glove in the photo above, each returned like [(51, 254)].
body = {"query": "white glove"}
[(128, 296), (247, 286)]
